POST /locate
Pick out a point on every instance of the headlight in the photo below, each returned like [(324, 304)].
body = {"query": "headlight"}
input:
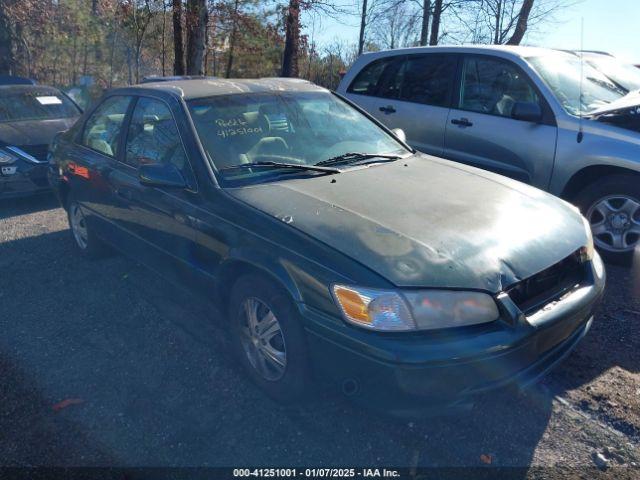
[(6, 157), (389, 310), (587, 251)]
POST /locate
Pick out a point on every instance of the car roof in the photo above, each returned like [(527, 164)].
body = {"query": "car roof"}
[(506, 50), (211, 87), (28, 88)]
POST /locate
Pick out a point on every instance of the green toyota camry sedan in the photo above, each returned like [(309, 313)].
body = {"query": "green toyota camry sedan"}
[(341, 256)]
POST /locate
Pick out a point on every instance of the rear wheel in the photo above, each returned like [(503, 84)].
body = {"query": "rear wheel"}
[(612, 208), (84, 239), (268, 338)]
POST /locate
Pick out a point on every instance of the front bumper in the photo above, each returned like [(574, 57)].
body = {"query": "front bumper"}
[(404, 374), (23, 178)]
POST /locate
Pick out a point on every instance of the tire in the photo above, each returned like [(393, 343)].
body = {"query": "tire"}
[(288, 380), (612, 207), (85, 241)]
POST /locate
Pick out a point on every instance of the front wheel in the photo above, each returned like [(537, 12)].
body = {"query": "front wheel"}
[(268, 338), (612, 208)]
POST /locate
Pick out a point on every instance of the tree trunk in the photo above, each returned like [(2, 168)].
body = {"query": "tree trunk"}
[(498, 25), (363, 24), (435, 22), (6, 42), (424, 32), (292, 40), (196, 21), (178, 50), (232, 38), (164, 37), (521, 26)]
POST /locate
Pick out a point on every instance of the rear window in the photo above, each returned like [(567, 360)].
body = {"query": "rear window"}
[(35, 105), (428, 79), (366, 82)]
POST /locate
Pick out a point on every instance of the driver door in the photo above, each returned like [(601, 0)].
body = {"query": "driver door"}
[(158, 219), (481, 132)]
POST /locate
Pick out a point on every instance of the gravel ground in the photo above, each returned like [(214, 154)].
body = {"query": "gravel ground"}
[(145, 379)]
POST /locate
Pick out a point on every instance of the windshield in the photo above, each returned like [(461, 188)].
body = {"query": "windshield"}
[(623, 74), (35, 105), (300, 128), (561, 72)]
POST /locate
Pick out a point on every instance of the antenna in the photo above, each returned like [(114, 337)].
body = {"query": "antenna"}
[(580, 131)]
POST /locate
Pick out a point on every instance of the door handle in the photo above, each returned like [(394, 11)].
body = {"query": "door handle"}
[(388, 109), (462, 122)]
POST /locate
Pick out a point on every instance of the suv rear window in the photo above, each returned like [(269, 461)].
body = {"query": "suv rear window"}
[(428, 79), (366, 82)]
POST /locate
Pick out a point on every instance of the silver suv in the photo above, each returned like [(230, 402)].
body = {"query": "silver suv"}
[(522, 112)]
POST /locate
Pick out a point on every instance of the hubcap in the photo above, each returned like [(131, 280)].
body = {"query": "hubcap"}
[(262, 339), (78, 226), (615, 223)]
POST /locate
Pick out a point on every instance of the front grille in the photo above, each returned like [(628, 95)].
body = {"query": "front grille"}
[(548, 285), (37, 151)]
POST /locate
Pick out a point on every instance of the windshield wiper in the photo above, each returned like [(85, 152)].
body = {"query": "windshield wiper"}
[(352, 157), (293, 166), (609, 86)]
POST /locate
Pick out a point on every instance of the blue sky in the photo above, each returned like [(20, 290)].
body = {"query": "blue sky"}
[(610, 25)]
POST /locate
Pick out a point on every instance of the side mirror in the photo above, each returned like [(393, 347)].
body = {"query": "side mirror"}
[(158, 175), (399, 134), (526, 111)]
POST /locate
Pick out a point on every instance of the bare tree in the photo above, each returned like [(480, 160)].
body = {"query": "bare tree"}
[(397, 27), (435, 23), (424, 28), (521, 24), (196, 23), (178, 49), (140, 14), (501, 21)]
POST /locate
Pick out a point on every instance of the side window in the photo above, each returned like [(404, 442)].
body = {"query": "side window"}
[(103, 128), (428, 79), (493, 87), (153, 137), (366, 82)]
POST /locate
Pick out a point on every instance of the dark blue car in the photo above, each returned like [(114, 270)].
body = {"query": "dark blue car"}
[(337, 252), (30, 116)]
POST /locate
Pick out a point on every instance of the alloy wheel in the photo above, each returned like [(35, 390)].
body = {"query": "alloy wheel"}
[(78, 226), (262, 339), (615, 223)]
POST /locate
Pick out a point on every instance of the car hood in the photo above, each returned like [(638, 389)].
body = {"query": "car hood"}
[(428, 222), (33, 132), (630, 100)]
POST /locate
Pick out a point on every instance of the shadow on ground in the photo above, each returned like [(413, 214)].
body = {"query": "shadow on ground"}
[(158, 387), (12, 207)]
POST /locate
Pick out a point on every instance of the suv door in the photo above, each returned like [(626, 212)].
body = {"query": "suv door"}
[(482, 132), (412, 92), (158, 217)]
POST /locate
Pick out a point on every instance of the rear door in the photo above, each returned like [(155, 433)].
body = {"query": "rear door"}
[(481, 131), (88, 165), (412, 92)]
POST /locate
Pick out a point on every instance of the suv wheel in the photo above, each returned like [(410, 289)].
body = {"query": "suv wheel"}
[(612, 208), (85, 241), (268, 338)]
